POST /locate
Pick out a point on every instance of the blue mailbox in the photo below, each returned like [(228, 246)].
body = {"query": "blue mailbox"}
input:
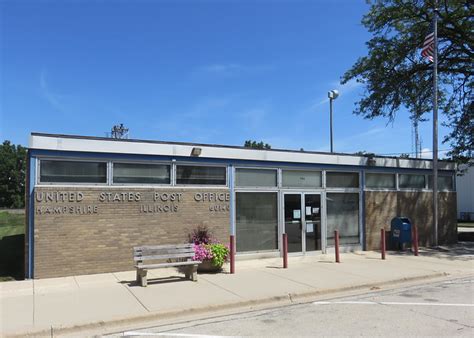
[(400, 232)]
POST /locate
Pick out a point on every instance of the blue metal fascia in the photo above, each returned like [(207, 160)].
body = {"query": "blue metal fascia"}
[(362, 198), (31, 213)]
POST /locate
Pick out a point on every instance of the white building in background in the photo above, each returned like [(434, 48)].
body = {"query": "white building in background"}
[(465, 195)]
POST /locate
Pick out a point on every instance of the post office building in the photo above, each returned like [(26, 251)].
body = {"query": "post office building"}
[(90, 200)]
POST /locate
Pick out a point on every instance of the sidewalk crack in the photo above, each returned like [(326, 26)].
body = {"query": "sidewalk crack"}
[(220, 287), (34, 302), (130, 291), (75, 280), (289, 279)]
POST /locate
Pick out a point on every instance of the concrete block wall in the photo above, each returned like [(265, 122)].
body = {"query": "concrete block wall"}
[(382, 206), (92, 235)]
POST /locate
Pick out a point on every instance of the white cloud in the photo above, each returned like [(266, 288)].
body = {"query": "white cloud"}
[(253, 118), (232, 69), (223, 69), (348, 87), (284, 142), (357, 141), (428, 153), (342, 89), (207, 106), (54, 99)]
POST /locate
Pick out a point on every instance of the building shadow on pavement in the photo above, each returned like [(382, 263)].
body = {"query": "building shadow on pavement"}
[(461, 251), (157, 280), (12, 257)]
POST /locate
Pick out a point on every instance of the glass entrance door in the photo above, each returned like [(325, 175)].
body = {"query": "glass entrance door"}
[(303, 221), (293, 222), (312, 205)]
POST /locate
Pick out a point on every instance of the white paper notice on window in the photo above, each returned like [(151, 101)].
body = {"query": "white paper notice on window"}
[(315, 210), (297, 213), (309, 227), (308, 211)]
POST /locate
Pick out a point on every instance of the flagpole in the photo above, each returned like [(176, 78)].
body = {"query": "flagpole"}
[(435, 125)]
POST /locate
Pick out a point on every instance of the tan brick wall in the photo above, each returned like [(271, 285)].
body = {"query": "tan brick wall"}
[(101, 239), (381, 207)]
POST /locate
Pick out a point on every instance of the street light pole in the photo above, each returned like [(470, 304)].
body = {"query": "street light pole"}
[(330, 122), (333, 94)]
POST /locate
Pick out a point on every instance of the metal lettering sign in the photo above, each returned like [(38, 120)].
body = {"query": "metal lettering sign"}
[(148, 202)]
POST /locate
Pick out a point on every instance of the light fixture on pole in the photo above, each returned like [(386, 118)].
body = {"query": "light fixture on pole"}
[(332, 94)]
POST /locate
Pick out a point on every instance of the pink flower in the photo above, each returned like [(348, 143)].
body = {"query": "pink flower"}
[(202, 252)]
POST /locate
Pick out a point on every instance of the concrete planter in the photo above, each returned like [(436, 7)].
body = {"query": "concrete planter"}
[(207, 266)]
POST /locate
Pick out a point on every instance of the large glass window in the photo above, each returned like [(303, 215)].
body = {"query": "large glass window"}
[(301, 179), (409, 181), (188, 174), (380, 181), (52, 171), (141, 173), (255, 178), (257, 221), (343, 215), (342, 180), (444, 183)]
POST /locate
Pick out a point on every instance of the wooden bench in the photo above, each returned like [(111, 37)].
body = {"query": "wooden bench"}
[(179, 255)]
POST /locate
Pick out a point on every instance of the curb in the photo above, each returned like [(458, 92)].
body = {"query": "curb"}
[(263, 303)]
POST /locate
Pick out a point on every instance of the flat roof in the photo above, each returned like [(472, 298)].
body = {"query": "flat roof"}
[(59, 142)]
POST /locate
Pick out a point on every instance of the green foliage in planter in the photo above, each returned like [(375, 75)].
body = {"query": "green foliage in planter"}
[(220, 252)]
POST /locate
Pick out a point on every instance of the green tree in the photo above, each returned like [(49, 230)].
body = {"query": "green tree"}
[(395, 75), (12, 175), (364, 153), (256, 145)]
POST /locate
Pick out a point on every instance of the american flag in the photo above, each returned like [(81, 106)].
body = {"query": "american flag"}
[(428, 45)]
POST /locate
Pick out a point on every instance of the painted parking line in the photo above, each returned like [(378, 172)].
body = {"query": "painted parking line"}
[(392, 303), (459, 282), (168, 334)]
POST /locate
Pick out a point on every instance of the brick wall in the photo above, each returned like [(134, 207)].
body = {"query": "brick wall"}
[(381, 207), (93, 230)]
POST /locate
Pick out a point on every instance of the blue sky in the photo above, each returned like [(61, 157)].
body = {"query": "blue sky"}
[(195, 71)]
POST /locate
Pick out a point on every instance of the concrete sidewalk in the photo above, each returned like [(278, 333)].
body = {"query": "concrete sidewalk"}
[(63, 305)]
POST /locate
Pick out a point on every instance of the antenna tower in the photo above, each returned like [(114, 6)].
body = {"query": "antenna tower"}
[(119, 131)]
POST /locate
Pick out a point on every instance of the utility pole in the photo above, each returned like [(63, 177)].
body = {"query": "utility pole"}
[(435, 124)]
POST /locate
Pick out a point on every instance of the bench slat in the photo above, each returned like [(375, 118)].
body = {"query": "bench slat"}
[(162, 251), (166, 246), (164, 265), (167, 256)]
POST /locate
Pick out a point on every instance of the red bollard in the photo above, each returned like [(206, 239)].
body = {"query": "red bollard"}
[(285, 251), (382, 242), (415, 240), (336, 245), (232, 253)]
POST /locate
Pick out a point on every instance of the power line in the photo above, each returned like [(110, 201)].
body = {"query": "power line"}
[(409, 153)]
